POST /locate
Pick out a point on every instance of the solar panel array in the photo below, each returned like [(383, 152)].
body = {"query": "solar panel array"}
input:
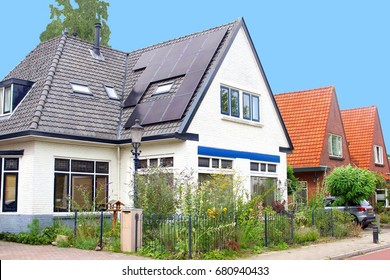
[(189, 58)]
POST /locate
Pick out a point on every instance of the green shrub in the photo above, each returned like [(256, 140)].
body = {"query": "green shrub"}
[(306, 234)]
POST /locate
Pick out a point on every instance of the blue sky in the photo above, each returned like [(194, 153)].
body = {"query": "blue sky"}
[(301, 44)]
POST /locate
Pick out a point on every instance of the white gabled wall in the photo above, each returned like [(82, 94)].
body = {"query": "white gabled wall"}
[(240, 70)]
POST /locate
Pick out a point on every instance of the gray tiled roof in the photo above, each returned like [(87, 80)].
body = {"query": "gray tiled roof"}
[(52, 107)]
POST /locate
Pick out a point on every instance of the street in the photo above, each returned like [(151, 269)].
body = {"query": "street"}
[(377, 255)]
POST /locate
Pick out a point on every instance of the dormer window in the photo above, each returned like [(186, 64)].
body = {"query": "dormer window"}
[(12, 92), (81, 89), (163, 88)]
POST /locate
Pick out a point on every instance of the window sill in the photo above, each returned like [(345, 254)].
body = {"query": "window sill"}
[(241, 121), (379, 164), (336, 158)]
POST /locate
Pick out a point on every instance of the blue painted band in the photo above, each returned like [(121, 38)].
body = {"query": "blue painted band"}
[(216, 152)]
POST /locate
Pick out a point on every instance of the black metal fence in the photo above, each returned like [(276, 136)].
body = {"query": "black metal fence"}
[(193, 235)]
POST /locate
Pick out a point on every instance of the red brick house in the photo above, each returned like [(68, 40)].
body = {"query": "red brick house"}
[(366, 143), (313, 120)]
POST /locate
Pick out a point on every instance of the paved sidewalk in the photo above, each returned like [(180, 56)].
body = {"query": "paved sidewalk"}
[(333, 250), (17, 251)]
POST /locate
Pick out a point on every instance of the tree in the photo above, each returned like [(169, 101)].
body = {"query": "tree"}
[(80, 20), (350, 184)]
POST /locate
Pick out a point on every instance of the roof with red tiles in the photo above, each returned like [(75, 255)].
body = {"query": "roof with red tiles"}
[(301, 110), (359, 128), (363, 131)]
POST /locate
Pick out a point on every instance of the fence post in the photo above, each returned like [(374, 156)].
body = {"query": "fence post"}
[(266, 229), (136, 231), (292, 228), (189, 237), (75, 223), (101, 230), (312, 218), (332, 222)]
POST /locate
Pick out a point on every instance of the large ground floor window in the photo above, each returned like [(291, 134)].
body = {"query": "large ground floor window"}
[(9, 183), (80, 185), (265, 187)]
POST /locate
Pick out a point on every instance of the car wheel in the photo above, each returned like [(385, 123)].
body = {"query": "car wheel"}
[(364, 226)]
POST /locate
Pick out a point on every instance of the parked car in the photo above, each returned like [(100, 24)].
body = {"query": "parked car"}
[(363, 212)]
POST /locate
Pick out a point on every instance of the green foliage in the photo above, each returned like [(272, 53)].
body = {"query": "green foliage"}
[(350, 184), (157, 194), (304, 235), (80, 20), (293, 181), (380, 181)]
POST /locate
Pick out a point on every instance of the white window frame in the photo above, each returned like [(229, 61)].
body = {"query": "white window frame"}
[(339, 149), (378, 154), (2, 100)]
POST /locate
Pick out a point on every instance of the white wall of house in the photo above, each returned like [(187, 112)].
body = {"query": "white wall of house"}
[(36, 170), (239, 70)]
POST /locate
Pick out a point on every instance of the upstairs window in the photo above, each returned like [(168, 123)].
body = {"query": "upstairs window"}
[(378, 153), (230, 104), (12, 92), (335, 146)]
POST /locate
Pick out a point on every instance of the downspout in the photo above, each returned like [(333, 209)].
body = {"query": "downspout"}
[(119, 128)]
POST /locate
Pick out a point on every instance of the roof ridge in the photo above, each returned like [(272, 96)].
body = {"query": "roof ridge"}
[(360, 108), (183, 37), (48, 81), (331, 87)]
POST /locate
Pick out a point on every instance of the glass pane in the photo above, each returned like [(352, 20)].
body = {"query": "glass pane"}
[(7, 100), (235, 103), (330, 150), (61, 164), (82, 192), (11, 164), (215, 163), (166, 162), (153, 162), (246, 106), (203, 162), (10, 190), (255, 108), (263, 167), (101, 192), (111, 93), (61, 192), (102, 167), (225, 101), (254, 166), (1, 100), (226, 163), (264, 187), (143, 163), (82, 166), (271, 167)]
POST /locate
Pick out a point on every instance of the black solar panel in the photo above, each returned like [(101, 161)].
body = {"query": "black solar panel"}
[(190, 57)]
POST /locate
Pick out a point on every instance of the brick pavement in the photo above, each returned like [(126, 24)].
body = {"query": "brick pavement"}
[(17, 251)]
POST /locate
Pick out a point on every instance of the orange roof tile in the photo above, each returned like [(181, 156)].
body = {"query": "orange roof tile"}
[(359, 126), (305, 114)]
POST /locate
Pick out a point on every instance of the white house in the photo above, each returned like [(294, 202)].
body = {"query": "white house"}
[(66, 110)]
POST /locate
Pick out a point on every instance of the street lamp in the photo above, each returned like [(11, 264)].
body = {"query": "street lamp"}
[(136, 135)]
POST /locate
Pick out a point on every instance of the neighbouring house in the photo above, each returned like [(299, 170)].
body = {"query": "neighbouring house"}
[(314, 123), (67, 109), (366, 144)]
